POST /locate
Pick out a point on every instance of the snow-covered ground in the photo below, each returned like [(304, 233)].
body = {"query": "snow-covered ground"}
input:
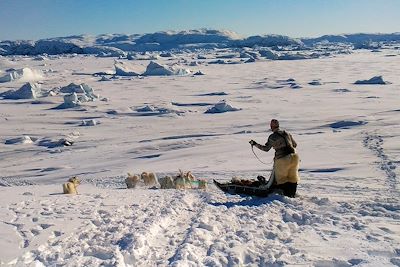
[(347, 212)]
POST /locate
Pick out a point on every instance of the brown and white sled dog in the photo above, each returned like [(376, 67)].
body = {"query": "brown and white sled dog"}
[(70, 186), (131, 181), (149, 178)]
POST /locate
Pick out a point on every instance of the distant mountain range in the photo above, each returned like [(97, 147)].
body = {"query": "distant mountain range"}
[(120, 44)]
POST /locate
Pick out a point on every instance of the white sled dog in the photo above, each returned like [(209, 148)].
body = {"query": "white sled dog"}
[(149, 178), (131, 181), (70, 186)]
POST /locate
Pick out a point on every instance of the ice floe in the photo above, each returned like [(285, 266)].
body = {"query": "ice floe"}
[(166, 54), (227, 56), (295, 56), (24, 75), (221, 107), (104, 79), (27, 91), (124, 69), (250, 60), (341, 90), (150, 110), (160, 110), (70, 101), (104, 51), (76, 94), (268, 53), (373, 80), (80, 89), (20, 140), (199, 73), (67, 140), (156, 69), (277, 84), (315, 82), (91, 122)]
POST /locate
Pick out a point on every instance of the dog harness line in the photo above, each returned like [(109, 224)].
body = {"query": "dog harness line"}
[(252, 148)]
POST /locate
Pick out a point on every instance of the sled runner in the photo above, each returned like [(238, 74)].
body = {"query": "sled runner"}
[(246, 187)]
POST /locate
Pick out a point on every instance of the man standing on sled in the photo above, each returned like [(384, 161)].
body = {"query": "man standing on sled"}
[(285, 173)]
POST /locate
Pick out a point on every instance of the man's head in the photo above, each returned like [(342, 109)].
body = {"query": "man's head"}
[(274, 124)]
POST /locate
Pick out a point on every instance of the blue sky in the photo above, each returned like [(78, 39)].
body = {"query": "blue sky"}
[(35, 19)]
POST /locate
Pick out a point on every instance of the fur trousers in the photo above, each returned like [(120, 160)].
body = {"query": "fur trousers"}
[(286, 169)]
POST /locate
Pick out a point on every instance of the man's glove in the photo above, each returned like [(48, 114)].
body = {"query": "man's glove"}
[(252, 142)]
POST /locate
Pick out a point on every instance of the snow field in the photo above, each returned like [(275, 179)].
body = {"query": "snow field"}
[(143, 227), (347, 212)]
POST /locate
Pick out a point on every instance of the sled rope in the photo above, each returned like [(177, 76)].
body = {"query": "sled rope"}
[(252, 149)]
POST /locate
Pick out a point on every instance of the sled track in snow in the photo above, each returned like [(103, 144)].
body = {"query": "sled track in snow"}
[(144, 227), (374, 142), (164, 238), (148, 233), (12, 181)]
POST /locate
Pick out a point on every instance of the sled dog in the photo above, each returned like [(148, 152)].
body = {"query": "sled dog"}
[(180, 180), (149, 178), (184, 180), (70, 186), (202, 184), (189, 178), (167, 182), (131, 181)]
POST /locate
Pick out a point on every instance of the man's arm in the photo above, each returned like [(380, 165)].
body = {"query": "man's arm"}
[(267, 147)]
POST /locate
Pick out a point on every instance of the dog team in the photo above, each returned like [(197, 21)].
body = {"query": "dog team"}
[(183, 180)]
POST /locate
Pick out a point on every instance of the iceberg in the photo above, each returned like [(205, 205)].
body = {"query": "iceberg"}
[(70, 101), (221, 107), (76, 95), (123, 69), (25, 139), (373, 80), (27, 91), (24, 74), (85, 91), (155, 69)]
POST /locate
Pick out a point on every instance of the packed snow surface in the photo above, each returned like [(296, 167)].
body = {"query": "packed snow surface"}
[(347, 211)]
